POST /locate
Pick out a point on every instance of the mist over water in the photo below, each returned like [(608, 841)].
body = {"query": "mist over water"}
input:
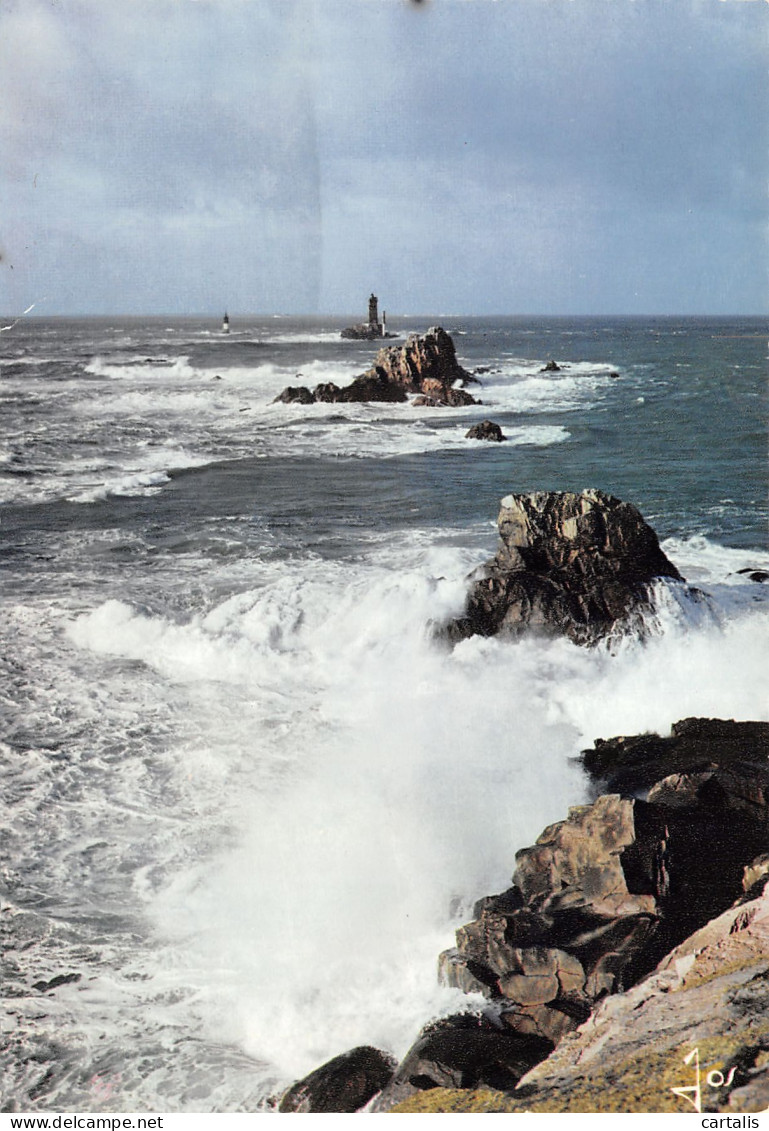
[(250, 795)]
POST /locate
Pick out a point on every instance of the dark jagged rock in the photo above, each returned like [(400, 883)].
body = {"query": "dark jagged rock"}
[(295, 394), (485, 430), (344, 1084), (632, 764), (567, 564), (464, 1051), (444, 398), (326, 393), (425, 365), (551, 367), (372, 386), (60, 980)]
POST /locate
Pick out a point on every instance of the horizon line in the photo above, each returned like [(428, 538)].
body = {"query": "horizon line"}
[(207, 314)]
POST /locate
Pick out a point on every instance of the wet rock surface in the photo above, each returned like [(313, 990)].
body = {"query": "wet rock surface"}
[(578, 565), (463, 1052), (485, 430), (344, 1084)]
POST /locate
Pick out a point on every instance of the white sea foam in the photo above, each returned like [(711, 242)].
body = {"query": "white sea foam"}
[(375, 783), (301, 337), (521, 386), (252, 796), (127, 402)]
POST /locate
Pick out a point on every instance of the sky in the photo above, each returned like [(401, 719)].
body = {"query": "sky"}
[(456, 156)]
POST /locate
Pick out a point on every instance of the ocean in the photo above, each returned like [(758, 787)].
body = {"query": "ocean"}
[(248, 795)]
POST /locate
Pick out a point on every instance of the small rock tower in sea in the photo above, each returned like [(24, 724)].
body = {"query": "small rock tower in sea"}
[(226, 323)]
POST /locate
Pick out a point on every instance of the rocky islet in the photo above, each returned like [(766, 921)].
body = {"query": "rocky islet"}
[(424, 366)]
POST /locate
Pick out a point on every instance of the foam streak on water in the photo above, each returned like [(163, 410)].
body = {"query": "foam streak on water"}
[(250, 795)]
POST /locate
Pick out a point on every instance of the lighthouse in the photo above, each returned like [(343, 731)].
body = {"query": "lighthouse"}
[(226, 323)]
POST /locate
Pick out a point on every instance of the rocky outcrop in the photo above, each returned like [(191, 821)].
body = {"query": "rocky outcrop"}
[(605, 894), (425, 365), (579, 565), (636, 1053), (485, 430), (343, 1084), (599, 901), (551, 367)]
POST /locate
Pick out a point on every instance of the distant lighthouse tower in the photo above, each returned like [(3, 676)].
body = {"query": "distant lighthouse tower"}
[(226, 323), (373, 313)]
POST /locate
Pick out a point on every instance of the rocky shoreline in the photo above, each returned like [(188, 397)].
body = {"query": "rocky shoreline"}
[(629, 900), (635, 929)]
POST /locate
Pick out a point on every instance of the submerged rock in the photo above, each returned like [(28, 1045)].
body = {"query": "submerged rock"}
[(426, 365), (578, 565), (759, 575), (344, 1084), (485, 430)]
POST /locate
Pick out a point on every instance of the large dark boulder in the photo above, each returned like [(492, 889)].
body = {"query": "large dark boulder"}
[(372, 386), (344, 1084), (463, 1051), (578, 565), (425, 365), (295, 394), (485, 430)]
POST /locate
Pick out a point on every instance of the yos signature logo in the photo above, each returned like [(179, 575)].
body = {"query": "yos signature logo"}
[(692, 1093)]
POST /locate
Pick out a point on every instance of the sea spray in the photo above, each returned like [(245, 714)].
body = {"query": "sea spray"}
[(373, 783), (249, 796)]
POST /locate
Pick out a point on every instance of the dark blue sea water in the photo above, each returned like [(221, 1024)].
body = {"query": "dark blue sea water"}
[(248, 797)]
